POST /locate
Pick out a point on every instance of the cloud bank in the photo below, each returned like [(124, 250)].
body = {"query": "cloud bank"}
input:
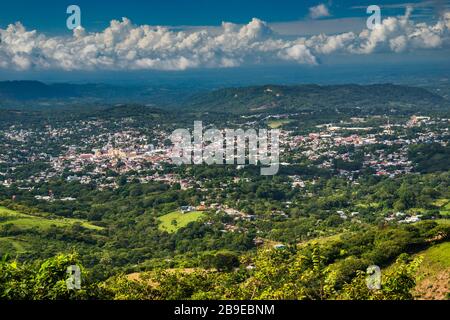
[(125, 46)]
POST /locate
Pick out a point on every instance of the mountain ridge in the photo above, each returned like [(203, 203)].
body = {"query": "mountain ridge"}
[(250, 99), (311, 96)]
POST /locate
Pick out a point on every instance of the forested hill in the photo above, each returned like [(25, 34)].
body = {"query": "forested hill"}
[(379, 98), (36, 94), (27, 90), (312, 97)]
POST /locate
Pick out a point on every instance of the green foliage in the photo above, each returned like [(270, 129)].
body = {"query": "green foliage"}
[(222, 261), (397, 283), (430, 157), (42, 281), (120, 287), (286, 274)]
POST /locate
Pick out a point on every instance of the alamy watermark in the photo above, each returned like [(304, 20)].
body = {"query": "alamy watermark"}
[(73, 282), (74, 20), (375, 18), (227, 146), (373, 279)]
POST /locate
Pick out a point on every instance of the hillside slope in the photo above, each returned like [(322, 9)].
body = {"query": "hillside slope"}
[(314, 97), (434, 273)]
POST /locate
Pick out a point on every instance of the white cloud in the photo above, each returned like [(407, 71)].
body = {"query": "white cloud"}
[(299, 53), (319, 11), (125, 46)]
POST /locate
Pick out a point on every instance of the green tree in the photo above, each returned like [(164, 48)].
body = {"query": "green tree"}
[(397, 283)]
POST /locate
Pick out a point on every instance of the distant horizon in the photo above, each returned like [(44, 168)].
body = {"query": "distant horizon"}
[(145, 40), (409, 73)]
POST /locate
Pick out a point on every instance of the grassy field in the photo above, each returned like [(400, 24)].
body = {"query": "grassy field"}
[(443, 221), (374, 205), (275, 124), (16, 245), (26, 221), (445, 210), (444, 206), (434, 273), (173, 221), (438, 254), (320, 240)]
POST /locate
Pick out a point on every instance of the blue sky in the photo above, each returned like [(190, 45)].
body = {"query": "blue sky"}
[(317, 35), (50, 16)]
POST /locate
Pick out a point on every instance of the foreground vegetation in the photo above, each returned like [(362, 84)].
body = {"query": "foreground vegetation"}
[(434, 273), (333, 269)]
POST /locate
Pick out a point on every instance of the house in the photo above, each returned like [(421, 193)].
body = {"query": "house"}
[(186, 209), (250, 217), (258, 241), (342, 214), (412, 219)]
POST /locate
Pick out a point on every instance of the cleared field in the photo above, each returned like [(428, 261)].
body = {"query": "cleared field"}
[(444, 206), (445, 211), (274, 124), (434, 273), (9, 244), (26, 221), (441, 202), (374, 205), (173, 221), (320, 240), (443, 221)]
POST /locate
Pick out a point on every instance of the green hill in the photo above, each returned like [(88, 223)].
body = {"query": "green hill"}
[(26, 221), (434, 273), (314, 97)]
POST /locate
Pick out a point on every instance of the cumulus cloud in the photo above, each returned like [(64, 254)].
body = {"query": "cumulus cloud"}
[(319, 11), (299, 53), (125, 46)]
